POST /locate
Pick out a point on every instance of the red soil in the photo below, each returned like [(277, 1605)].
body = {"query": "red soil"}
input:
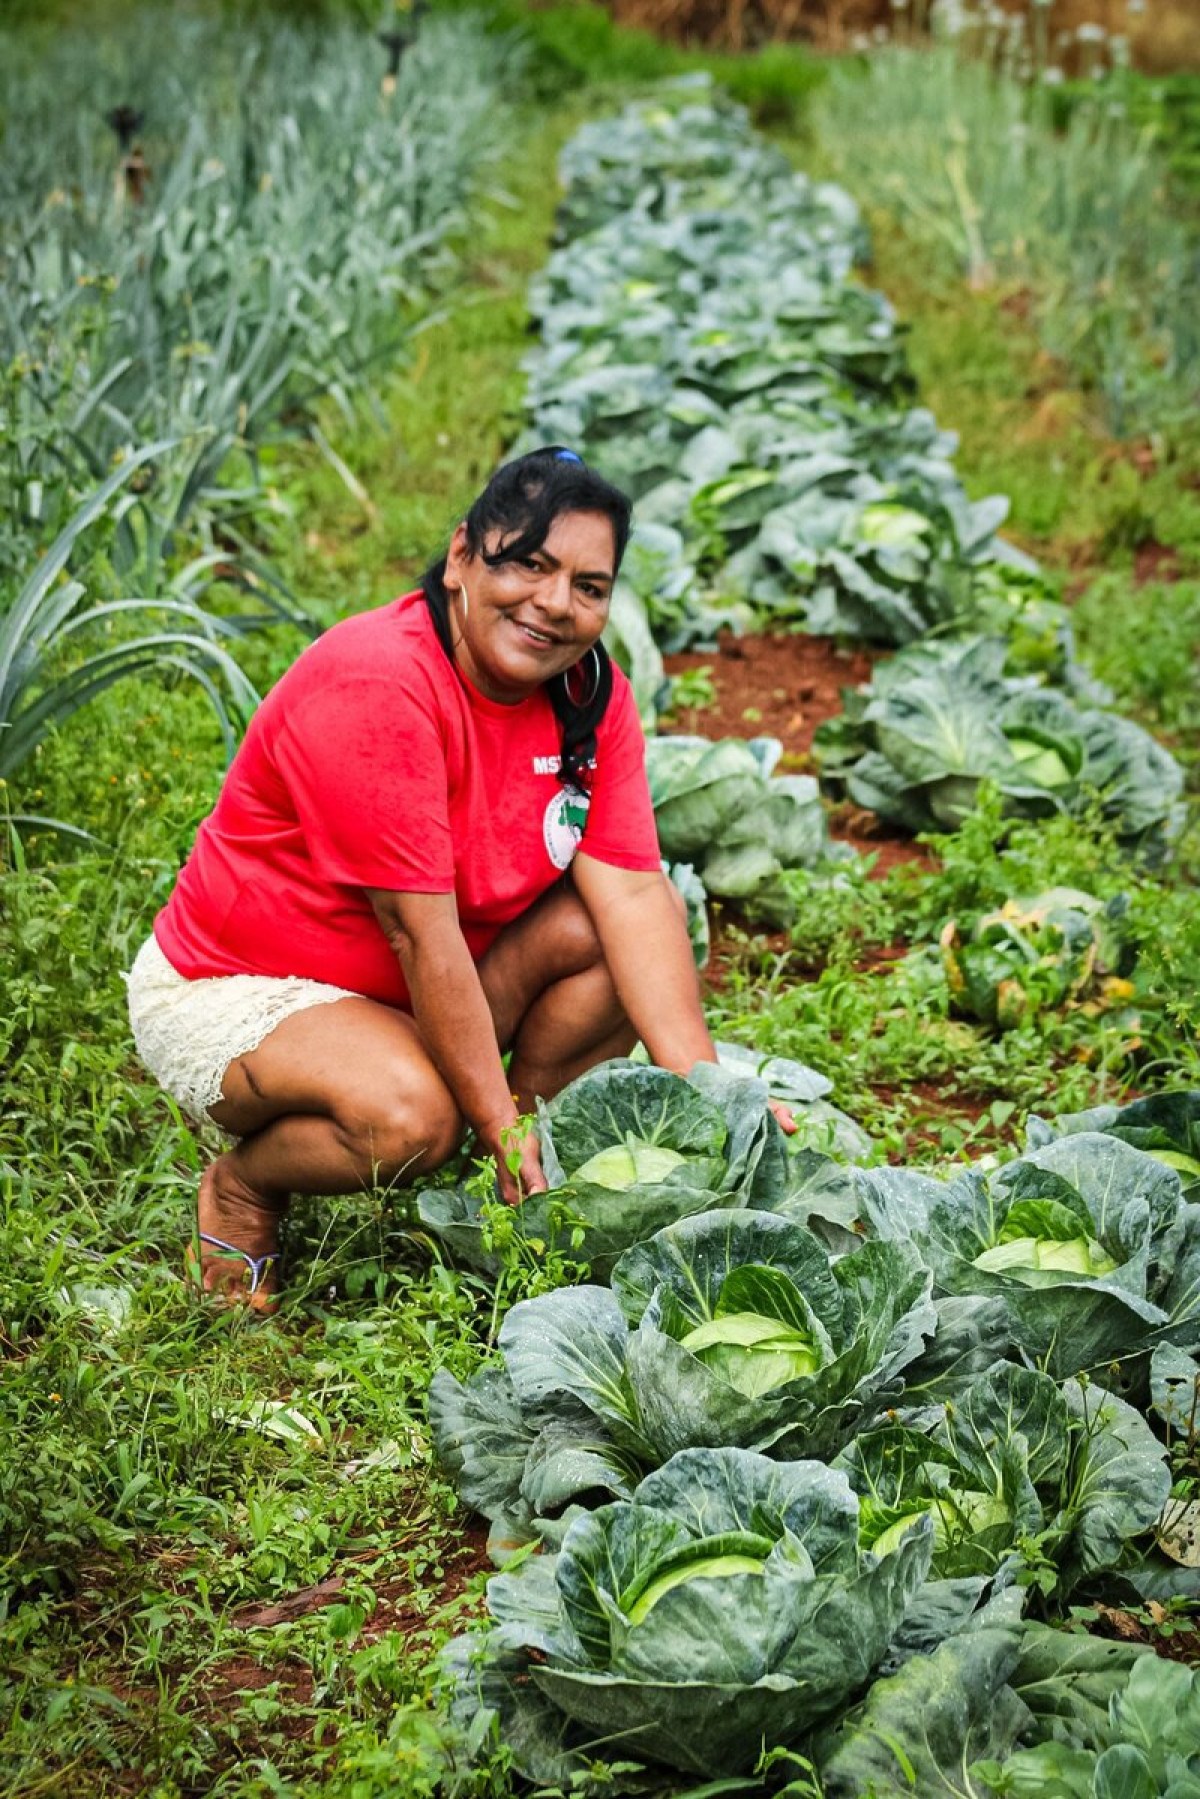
[(784, 685)]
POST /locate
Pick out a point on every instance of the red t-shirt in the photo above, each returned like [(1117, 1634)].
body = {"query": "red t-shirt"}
[(374, 763)]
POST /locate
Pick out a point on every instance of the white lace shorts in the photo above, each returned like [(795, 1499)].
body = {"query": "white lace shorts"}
[(188, 1032)]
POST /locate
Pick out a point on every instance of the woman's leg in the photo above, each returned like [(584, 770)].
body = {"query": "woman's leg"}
[(551, 997), (344, 1094), (335, 1098)]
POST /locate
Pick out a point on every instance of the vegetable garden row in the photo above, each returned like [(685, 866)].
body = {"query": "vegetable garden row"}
[(805, 1456)]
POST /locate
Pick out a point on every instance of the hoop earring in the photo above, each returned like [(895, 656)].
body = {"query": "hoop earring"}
[(596, 680), (462, 594)]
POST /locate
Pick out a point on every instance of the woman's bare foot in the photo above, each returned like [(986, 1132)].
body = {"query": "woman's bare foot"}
[(248, 1224)]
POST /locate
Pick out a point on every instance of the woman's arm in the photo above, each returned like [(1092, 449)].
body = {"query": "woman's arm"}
[(644, 938), (452, 1015), (645, 942)]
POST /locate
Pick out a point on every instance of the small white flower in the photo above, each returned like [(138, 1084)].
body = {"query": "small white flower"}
[(1090, 33), (1053, 76)]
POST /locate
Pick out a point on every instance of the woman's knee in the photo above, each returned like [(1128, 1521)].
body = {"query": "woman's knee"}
[(569, 940), (401, 1129)]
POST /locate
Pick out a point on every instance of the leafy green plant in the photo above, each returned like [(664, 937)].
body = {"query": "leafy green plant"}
[(1086, 1247), (728, 1328), (693, 690), (727, 1580), (720, 807), (627, 1148), (41, 685), (959, 1713), (940, 719), (184, 322), (1164, 1125), (1033, 954), (1015, 1460), (1149, 1743)]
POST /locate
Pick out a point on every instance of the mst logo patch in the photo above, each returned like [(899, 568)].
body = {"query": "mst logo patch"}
[(562, 824)]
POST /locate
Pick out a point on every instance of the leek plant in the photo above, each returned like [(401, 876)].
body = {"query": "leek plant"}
[(42, 683), (159, 339)]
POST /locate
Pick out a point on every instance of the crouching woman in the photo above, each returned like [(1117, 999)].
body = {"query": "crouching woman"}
[(435, 845)]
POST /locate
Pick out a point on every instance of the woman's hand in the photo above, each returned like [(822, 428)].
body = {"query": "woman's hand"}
[(783, 1117), (517, 1183)]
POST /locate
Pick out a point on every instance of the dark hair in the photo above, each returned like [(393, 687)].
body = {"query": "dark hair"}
[(521, 501)]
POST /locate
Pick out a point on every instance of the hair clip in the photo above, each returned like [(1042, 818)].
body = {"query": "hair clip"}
[(567, 456)]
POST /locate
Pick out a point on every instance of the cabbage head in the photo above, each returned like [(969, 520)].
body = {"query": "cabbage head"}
[(627, 1149), (749, 1332), (941, 717), (1015, 1457), (1086, 1246), (726, 1604), (733, 1328)]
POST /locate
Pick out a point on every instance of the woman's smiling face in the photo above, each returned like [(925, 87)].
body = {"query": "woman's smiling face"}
[(523, 622)]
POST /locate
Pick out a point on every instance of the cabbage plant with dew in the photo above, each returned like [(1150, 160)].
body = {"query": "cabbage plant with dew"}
[(629, 1148), (727, 1604), (729, 1329), (1086, 1246), (1164, 1125), (1148, 1746), (1012, 1707), (1015, 1457)]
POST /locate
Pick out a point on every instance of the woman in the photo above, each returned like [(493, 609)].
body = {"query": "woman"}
[(439, 820)]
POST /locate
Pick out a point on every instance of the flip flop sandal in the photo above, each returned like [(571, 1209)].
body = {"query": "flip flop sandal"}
[(259, 1266)]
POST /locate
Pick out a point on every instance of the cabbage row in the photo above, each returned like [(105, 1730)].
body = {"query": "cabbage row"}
[(793, 1472), (803, 1454), (702, 340)]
